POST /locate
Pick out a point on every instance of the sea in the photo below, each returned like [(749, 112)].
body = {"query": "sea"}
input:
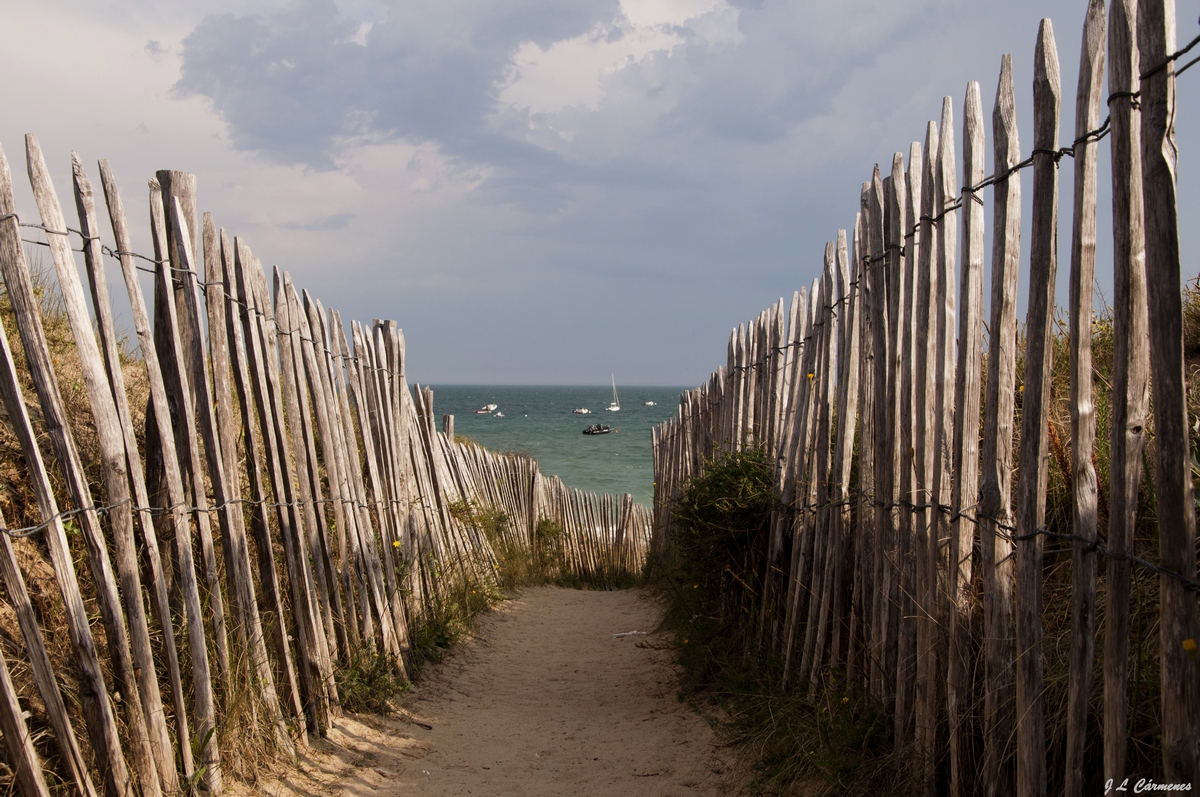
[(540, 421)]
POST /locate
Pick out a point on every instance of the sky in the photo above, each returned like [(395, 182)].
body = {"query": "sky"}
[(538, 191)]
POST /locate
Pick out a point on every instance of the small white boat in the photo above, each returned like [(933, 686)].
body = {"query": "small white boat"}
[(499, 414), (616, 405), (582, 411), (485, 409), (651, 403)]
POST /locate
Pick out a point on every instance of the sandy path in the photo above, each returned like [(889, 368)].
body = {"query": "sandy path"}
[(542, 701)]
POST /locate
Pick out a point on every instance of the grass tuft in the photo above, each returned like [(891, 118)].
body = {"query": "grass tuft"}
[(369, 680)]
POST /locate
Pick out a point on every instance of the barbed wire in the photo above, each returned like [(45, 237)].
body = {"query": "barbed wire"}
[(229, 299), (1091, 136), (1011, 533), (972, 191), (1007, 531), (163, 511)]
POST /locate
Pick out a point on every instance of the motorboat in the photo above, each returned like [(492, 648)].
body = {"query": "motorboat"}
[(499, 415), (582, 411), (598, 428), (486, 409), (651, 403), (616, 405)]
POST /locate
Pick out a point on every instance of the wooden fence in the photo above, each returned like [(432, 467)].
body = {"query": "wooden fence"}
[(897, 560), (338, 508)]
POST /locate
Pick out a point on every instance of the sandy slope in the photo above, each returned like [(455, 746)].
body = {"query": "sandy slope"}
[(543, 701)]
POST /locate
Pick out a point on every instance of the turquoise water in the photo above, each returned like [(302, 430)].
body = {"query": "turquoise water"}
[(539, 421)]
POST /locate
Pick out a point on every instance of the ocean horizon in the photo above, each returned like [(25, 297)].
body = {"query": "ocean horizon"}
[(539, 420)]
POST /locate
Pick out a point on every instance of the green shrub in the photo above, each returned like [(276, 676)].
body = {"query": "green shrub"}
[(449, 619), (369, 680), (721, 534), (836, 741)]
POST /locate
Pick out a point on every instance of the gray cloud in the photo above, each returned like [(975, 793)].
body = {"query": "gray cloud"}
[(295, 84), (702, 186)]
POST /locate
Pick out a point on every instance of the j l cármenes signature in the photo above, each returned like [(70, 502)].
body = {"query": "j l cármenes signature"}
[(1144, 786)]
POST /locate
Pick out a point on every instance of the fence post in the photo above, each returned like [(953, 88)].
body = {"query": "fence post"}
[(967, 397), (995, 510), (1180, 677), (925, 520), (1131, 375), (1083, 417), (1031, 490)]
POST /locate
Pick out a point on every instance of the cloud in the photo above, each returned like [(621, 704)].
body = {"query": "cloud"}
[(338, 221), (301, 84), (655, 156), (548, 96)]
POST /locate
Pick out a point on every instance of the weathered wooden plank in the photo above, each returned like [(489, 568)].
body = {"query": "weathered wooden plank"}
[(1083, 412), (1131, 374), (113, 473), (796, 487), (23, 759), (305, 604), (847, 403), (906, 654), (786, 478), (943, 363), (237, 553), (899, 517), (876, 313), (290, 321), (996, 562), (182, 186), (799, 587), (185, 390), (217, 427), (967, 399), (882, 683), (239, 351), (309, 378), (260, 357), (819, 615), (100, 720), (1180, 677), (228, 508), (333, 444), (39, 662), (146, 671), (857, 665), (394, 640), (925, 518), (161, 420), (101, 724), (1033, 472), (389, 488)]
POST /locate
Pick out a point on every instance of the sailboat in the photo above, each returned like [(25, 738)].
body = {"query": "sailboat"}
[(616, 405)]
